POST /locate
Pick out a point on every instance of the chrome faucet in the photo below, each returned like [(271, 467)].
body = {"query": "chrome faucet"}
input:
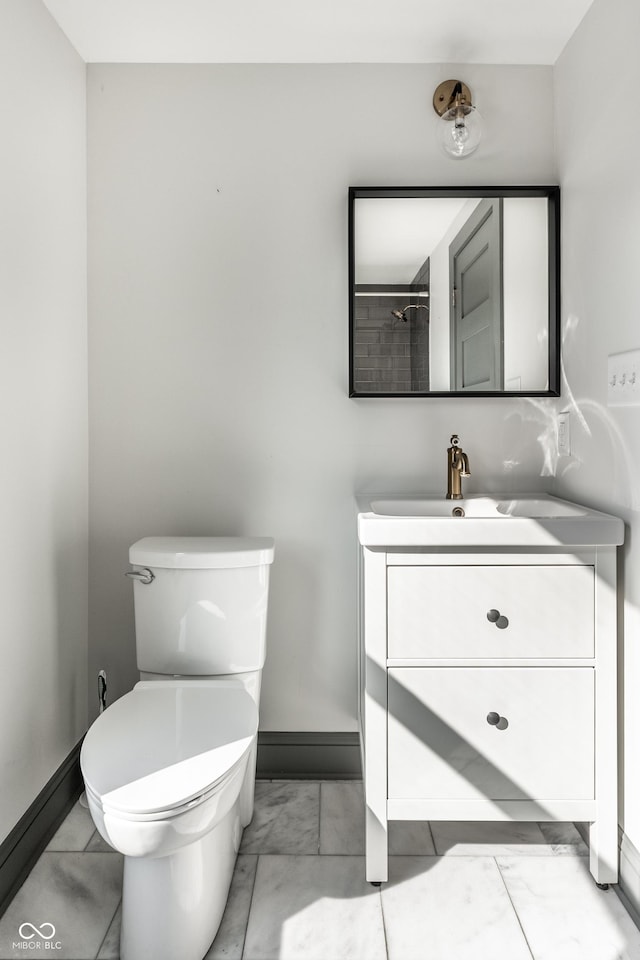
[(457, 468)]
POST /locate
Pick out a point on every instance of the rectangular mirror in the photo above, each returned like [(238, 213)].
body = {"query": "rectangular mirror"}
[(454, 291)]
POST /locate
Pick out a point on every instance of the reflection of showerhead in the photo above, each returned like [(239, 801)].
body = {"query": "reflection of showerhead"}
[(400, 314)]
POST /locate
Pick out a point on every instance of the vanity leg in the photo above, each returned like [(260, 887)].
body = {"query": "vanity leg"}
[(603, 832), (374, 711), (375, 848), (603, 851)]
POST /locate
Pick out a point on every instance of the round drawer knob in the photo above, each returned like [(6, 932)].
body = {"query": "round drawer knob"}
[(493, 719), (494, 616)]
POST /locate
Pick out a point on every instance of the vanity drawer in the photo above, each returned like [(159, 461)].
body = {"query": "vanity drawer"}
[(442, 611), (442, 745)]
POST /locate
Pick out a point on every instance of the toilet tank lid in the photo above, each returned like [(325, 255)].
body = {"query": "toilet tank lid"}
[(202, 553)]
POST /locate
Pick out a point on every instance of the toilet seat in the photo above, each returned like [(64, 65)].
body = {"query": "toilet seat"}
[(167, 746)]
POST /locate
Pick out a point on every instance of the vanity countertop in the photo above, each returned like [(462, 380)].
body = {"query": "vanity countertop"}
[(535, 520)]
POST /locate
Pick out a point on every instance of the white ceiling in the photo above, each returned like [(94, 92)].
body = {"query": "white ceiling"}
[(393, 237), (319, 31)]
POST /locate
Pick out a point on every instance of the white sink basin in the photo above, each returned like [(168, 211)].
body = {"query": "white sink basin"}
[(541, 507), (435, 507), (530, 520)]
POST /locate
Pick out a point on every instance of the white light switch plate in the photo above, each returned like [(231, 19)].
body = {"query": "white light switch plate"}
[(623, 379), (564, 434)]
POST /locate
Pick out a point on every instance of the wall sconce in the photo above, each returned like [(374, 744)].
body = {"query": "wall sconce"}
[(461, 123)]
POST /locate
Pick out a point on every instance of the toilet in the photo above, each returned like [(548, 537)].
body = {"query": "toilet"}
[(169, 768)]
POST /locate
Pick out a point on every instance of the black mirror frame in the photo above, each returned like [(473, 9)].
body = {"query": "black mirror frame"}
[(552, 193)]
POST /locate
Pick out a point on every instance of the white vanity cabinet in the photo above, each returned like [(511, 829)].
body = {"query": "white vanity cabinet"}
[(537, 742), (488, 688), (442, 610)]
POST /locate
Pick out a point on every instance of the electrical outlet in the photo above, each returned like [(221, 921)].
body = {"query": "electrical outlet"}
[(564, 434), (623, 379)]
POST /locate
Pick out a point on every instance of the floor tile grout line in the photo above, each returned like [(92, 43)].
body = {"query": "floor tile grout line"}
[(433, 839), (85, 849), (109, 925), (513, 907), (253, 888), (435, 845), (384, 925)]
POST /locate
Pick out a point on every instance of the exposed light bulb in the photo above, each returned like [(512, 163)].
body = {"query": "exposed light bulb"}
[(459, 134), (460, 131)]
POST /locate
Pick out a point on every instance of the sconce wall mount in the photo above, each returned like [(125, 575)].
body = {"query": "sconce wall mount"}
[(461, 126)]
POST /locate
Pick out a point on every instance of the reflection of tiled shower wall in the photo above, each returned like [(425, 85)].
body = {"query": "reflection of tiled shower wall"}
[(419, 350), (420, 333), (382, 346), (390, 355)]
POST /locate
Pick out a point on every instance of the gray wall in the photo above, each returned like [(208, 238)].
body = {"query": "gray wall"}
[(43, 403), (219, 335), (601, 239)]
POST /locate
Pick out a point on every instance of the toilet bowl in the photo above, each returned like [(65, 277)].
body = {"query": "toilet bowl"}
[(169, 769), (163, 770)]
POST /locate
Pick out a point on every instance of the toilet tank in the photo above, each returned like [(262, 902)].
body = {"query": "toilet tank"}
[(205, 610)]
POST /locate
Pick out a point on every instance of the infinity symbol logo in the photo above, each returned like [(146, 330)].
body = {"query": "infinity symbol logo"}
[(39, 931)]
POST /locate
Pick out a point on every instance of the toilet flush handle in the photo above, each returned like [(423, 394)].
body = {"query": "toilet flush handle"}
[(142, 576)]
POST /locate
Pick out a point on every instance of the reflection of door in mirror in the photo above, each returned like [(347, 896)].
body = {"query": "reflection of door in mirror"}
[(477, 321)]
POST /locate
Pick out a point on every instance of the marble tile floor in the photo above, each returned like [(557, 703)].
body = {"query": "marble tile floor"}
[(456, 891)]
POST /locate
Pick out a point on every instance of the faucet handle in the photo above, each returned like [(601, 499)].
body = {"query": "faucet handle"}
[(455, 440)]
